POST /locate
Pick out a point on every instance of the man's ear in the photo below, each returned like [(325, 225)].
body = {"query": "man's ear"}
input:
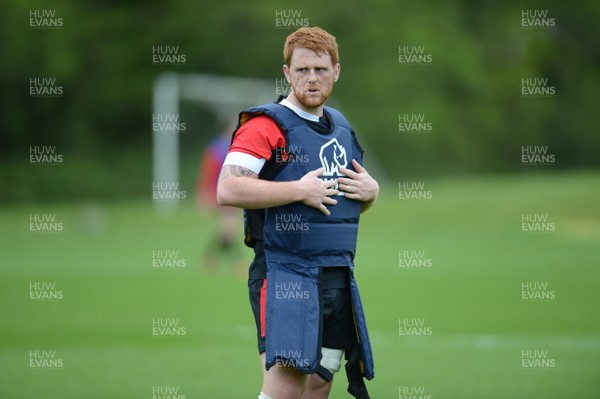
[(286, 72), (336, 72)]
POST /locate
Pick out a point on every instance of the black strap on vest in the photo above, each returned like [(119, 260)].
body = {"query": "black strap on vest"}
[(356, 384)]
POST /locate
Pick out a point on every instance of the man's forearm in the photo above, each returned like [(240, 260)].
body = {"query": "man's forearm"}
[(251, 193), (239, 186)]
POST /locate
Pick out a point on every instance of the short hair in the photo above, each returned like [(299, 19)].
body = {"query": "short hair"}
[(311, 38)]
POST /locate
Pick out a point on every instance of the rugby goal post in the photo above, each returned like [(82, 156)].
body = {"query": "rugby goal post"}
[(223, 95)]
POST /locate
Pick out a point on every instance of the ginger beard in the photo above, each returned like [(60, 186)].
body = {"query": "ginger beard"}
[(311, 95)]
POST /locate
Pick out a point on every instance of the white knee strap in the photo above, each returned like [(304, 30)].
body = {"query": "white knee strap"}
[(332, 359)]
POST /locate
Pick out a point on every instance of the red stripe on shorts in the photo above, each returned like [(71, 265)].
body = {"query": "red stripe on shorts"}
[(263, 308)]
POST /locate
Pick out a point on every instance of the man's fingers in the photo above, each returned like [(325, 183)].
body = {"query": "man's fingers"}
[(350, 173), (332, 192), (346, 181), (353, 196), (358, 166), (348, 188), (349, 185), (324, 209), (329, 183), (317, 172), (330, 201)]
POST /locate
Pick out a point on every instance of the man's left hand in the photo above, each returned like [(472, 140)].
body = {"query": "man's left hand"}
[(358, 185)]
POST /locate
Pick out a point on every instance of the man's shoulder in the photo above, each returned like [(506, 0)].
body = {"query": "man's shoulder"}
[(258, 136), (262, 124), (261, 120)]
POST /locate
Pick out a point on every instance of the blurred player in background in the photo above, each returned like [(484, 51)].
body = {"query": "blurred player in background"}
[(223, 241)]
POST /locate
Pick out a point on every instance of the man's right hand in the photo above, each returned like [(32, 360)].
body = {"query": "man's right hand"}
[(316, 192)]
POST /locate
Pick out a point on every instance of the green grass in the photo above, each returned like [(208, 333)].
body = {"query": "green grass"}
[(470, 297)]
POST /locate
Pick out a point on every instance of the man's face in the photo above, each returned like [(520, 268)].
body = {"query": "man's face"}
[(311, 77)]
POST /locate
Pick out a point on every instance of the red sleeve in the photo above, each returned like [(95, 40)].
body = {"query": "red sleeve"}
[(258, 137)]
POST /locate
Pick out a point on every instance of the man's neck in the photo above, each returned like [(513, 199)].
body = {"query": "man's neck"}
[(317, 111), (299, 111)]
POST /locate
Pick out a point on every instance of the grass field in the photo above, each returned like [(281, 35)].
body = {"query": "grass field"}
[(470, 298)]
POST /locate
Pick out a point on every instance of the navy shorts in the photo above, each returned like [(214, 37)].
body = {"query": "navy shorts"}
[(339, 331)]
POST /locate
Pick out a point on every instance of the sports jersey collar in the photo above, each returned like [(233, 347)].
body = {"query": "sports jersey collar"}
[(302, 114)]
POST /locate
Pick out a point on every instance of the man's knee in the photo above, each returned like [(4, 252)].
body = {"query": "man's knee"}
[(283, 383), (317, 388)]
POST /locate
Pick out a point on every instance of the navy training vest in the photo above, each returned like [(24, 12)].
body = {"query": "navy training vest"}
[(299, 240)]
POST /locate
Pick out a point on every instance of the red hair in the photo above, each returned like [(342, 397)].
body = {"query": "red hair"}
[(311, 38)]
